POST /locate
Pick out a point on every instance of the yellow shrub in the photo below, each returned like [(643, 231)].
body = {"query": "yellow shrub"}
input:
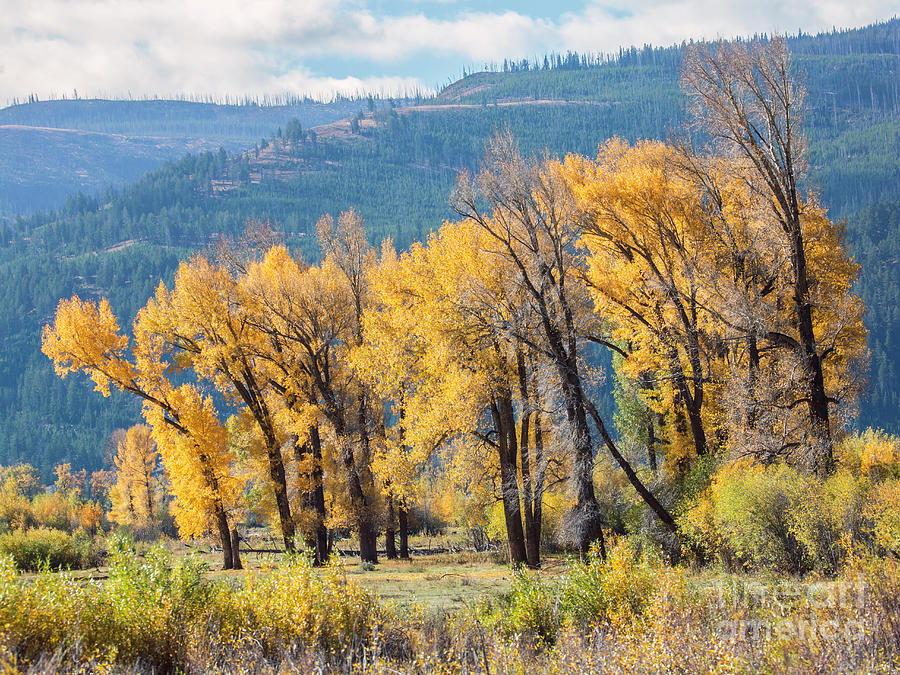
[(829, 518), (616, 591), (15, 511), (746, 516), (55, 510), (883, 510), (295, 604), (872, 453)]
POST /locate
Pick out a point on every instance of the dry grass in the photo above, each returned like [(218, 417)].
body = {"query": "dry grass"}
[(452, 613)]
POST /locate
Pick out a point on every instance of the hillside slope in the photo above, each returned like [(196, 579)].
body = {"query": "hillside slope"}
[(51, 149), (397, 167)]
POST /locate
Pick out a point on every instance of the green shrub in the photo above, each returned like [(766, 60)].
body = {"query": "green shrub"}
[(532, 608), (147, 612), (615, 591), (35, 549), (746, 516)]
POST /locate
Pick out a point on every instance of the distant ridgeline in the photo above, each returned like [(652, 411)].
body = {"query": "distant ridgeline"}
[(52, 149), (396, 164)]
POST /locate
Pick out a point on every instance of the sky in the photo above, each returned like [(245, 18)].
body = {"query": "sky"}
[(146, 48)]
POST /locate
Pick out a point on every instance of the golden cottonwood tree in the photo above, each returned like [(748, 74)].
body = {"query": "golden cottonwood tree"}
[(533, 225), (203, 321), (745, 97), (646, 235), (85, 337), (347, 251), (303, 312), (684, 263), (436, 348), (311, 317), (136, 495)]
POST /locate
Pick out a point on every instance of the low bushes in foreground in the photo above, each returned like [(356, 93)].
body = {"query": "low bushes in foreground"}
[(628, 614), (161, 613), (32, 550)]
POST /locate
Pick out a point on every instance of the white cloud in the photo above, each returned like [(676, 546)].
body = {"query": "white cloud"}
[(116, 47)]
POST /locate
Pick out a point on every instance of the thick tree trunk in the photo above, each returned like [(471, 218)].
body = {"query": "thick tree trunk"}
[(368, 535), (314, 497), (368, 541), (236, 550), (532, 528), (817, 399), (219, 514), (279, 485), (540, 478), (318, 490), (250, 393), (224, 536), (691, 405), (368, 546), (403, 524), (752, 377), (585, 517), (390, 535), (504, 423)]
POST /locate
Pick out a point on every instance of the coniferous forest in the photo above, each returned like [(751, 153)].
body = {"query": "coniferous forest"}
[(608, 342), (397, 169)]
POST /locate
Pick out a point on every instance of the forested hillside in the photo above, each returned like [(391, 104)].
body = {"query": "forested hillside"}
[(51, 149), (396, 166)]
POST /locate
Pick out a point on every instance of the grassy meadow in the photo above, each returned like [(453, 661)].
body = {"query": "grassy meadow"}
[(166, 608)]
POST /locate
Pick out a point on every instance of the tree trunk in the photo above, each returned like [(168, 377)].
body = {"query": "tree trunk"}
[(368, 535), (147, 479), (368, 546), (504, 423), (651, 442), (224, 536), (691, 405), (236, 550), (250, 393), (368, 541), (318, 490), (585, 518), (752, 376), (817, 400), (540, 478), (403, 524), (314, 497), (219, 514), (279, 484), (532, 529), (633, 478), (390, 540)]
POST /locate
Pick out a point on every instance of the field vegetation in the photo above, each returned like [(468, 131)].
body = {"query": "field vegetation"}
[(631, 612)]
